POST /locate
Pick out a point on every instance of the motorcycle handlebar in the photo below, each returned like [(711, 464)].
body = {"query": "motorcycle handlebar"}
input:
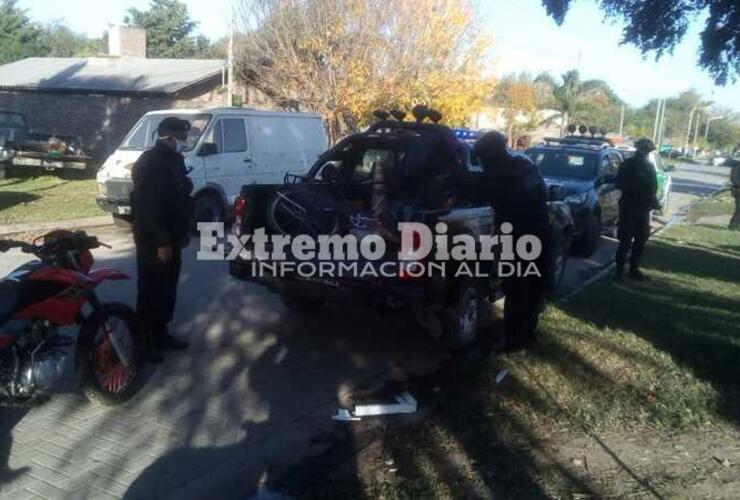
[(6, 245)]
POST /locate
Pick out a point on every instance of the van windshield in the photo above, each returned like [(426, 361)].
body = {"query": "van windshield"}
[(144, 134)]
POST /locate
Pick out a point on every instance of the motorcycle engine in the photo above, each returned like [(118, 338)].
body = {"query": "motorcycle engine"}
[(49, 368), (36, 362)]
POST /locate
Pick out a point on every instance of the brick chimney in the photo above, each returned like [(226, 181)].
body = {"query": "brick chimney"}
[(124, 41)]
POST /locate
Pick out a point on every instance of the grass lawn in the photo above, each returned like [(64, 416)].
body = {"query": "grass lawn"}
[(46, 198), (626, 366)]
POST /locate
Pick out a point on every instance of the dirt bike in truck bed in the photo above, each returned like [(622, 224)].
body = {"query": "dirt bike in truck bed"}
[(415, 163)]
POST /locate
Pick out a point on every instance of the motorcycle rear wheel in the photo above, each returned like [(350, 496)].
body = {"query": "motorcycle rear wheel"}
[(103, 377)]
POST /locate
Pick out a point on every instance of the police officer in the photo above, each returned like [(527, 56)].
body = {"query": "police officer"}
[(636, 179), (735, 188), (160, 203), (514, 188)]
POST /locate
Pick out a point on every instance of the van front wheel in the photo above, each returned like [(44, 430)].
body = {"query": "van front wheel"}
[(207, 208)]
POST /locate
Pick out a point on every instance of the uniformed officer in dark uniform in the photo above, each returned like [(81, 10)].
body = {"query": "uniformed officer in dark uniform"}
[(514, 188), (735, 189), (636, 179), (160, 204)]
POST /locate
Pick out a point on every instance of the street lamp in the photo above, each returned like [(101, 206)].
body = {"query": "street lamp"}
[(709, 120), (688, 129)]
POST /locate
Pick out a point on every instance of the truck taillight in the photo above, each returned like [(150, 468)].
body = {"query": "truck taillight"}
[(240, 210)]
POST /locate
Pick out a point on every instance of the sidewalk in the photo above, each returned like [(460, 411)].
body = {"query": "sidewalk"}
[(26, 227)]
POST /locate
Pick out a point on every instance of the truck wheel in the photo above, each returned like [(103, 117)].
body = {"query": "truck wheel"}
[(558, 261), (298, 303), (589, 240), (207, 208), (461, 319)]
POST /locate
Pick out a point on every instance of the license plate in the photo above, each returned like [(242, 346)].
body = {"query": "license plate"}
[(34, 162), (123, 210), (53, 164)]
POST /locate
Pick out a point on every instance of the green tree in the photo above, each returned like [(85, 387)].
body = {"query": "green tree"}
[(563, 97), (169, 30), (723, 133), (19, 37), (658, 25), (58, 40)]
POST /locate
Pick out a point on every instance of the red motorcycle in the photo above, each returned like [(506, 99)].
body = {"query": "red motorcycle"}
[(58, 290)]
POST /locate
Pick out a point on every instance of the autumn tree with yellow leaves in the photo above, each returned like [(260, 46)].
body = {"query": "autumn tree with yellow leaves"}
[(516, 95), (345, 58)]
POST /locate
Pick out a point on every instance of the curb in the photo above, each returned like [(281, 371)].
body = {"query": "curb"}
[(11, 229)]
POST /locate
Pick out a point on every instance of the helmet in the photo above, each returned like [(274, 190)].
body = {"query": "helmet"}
[(644, 145)]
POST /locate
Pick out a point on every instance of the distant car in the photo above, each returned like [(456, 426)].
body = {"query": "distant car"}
[(717, 161)]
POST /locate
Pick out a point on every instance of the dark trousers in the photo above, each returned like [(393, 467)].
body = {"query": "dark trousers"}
[(735, 221), (522, 307), (156, 287), (633, 232)]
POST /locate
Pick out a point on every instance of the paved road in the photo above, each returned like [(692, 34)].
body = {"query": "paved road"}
[(258, 384)]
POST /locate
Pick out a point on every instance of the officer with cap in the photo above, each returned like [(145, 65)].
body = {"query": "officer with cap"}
[(513, 187), (636, 179), (161, 211), (734, 163)]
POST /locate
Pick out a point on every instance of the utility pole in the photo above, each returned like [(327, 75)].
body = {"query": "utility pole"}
[(709, 120), (688, 130), (661, 127), (230, 84), (696, 133), (657, 119), (621, 122)]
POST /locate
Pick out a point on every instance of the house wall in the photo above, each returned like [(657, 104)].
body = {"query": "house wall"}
[(100, 120)]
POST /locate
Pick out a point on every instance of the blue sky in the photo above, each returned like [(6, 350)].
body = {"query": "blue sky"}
[(525, 39)]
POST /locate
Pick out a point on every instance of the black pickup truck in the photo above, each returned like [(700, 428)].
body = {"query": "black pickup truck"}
[(337, 197), (22, 147)]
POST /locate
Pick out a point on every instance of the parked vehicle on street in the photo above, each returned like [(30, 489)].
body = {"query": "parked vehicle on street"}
[(717, 160), (226, 148), (587, 168), (25, 148), (336, 197), (58, 290)]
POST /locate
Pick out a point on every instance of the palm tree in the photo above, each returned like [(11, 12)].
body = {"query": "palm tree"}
[(567, 96)]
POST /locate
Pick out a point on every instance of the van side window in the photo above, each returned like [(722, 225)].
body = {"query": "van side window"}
[(235, 135)]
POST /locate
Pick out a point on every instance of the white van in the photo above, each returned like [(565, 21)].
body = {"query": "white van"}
[(226, 149)]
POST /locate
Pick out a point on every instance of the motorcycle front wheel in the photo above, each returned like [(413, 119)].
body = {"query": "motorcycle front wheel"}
[(110, 355)]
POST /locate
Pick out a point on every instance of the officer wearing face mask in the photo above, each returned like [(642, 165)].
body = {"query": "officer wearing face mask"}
[(161, 209)]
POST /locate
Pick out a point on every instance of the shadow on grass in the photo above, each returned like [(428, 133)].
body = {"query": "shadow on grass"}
[(9, 199), (696, 323)]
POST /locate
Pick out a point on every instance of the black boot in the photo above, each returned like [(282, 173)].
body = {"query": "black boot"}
[(163, 340), (638, 275), (150, 353)]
